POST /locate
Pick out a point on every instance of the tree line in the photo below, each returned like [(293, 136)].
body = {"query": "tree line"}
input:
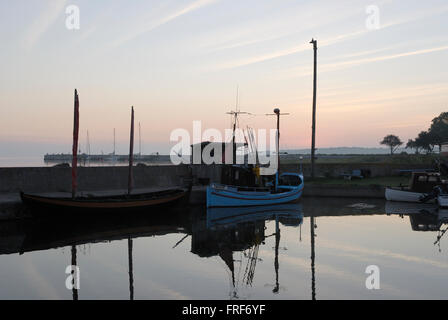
[(426, 141)]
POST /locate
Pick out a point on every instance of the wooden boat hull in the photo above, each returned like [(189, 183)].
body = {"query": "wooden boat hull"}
[(231, 196), (107, 203)]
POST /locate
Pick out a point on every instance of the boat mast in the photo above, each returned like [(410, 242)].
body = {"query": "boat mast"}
[(75, 145), (131, 152), (114, 141), (139, 140)]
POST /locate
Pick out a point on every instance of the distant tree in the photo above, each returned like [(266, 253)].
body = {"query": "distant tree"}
[(425, 141), (392, 141), (412, 144), (439, 130)]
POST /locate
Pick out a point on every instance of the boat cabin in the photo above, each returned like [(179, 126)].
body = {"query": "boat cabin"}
[(289, 179), (424, 182)]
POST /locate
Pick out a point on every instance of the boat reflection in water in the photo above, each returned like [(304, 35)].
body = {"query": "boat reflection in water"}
[(422, 217), (229, 230), (237, 237)]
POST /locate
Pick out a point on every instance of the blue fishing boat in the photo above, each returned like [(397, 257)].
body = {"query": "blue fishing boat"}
[(289, 189), (286, 187)]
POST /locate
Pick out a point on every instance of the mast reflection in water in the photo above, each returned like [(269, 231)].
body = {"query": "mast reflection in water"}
[(187, 252)]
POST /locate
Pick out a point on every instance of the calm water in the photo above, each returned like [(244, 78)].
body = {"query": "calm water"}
[(231, 254)]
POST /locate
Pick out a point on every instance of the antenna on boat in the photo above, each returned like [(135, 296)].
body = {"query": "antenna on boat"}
[(278, 114), (234, 115)]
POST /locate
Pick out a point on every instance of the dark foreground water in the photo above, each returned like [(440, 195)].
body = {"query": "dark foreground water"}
[(268, 253)]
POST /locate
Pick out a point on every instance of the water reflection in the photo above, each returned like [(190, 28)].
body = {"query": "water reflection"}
[(243, 229), (422, 217), (234, 236)]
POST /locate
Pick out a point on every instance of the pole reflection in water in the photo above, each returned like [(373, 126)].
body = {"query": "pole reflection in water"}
[(74, 276), (313, 256), (277, 243), (131, 275)]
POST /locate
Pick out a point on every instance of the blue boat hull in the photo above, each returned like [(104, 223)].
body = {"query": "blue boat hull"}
[(231, 196)]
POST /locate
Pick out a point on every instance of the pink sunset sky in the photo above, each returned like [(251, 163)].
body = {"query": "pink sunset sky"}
[(180, 61)]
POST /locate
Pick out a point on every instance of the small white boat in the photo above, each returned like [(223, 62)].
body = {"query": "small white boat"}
[(422, 185), (403, 195)]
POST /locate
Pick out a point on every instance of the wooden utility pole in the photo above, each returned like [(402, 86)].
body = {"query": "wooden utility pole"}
[(313, 135)]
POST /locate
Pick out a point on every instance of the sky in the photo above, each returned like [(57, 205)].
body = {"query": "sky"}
[(382, 69)]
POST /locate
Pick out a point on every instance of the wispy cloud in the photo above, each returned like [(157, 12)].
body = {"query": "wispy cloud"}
[(43, 22), (322, 43), (147, 28), (350, 63)]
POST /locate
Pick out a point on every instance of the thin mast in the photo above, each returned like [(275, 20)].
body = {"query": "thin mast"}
[(131, 152), (114, 141), (75, 145), (313, 128), (139, 140)]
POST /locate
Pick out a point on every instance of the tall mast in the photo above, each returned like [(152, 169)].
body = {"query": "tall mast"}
[(139, 139), (75, 145), (114, 141), (131, 152), (313, 128)]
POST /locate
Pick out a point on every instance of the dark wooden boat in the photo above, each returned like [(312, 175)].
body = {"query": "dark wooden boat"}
[(106, 203), (112, 202)]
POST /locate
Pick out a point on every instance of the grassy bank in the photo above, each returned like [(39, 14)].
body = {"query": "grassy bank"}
[(420, 159), (381, 181)]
